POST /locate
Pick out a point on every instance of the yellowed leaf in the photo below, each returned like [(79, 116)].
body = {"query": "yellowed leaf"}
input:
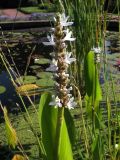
[(10, 131), (26, 88), (18, 157)]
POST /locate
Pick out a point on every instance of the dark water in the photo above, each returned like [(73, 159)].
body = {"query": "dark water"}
[(21, 45)]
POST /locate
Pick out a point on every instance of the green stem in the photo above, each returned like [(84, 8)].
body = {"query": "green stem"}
[(60, 119)]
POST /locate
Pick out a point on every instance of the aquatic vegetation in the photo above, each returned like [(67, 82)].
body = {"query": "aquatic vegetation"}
[(27, 89), (2, 89), (42, 61), (57, 141), (18, 157), (10, 131), (77, 116)]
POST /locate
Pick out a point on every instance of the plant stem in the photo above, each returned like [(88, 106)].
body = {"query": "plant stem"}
[(60, 119)]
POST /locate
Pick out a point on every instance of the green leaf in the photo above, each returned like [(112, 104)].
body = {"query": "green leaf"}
[(2, 89), (45, 82), (45, 75), (48, 121), (43, 61), (26, 79), (10, 131), (70, 125), (65, 150), (91, 77)]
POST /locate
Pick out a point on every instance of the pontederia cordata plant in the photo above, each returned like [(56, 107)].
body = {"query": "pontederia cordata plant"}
[(55, 120), (87, 17)]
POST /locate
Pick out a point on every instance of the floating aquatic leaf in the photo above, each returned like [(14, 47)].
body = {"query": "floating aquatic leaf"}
[(43, 61), (45, 82), (26, 79), (45, 75), (2, 89), (27, 89)]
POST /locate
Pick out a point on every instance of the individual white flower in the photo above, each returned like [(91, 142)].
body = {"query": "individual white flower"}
[(53, 66), (51, 41), (96, 49), (63, 20), (69, 60), (69, 95), (68, 36), (67, 90), (55, 101), (70, 89), (57, 84), (71, 103), (65, 74)]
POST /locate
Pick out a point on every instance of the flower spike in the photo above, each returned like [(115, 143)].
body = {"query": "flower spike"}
[(60, 63)]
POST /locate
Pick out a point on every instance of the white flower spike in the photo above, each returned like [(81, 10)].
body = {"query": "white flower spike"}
[(60, 63)]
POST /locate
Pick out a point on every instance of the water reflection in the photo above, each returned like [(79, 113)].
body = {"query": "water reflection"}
[(112, 42)]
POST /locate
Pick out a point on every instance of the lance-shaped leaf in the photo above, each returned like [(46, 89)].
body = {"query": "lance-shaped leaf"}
[(93, 89), (91, 77), (48, 122), (10, 131)]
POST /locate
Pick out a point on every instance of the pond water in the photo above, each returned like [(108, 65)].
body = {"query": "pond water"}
[(21, 48), (24, 43)]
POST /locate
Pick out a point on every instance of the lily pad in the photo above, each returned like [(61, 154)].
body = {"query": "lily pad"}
[(45, 75), (42, 61), (26, 79), (45, 82), (2, 89)]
